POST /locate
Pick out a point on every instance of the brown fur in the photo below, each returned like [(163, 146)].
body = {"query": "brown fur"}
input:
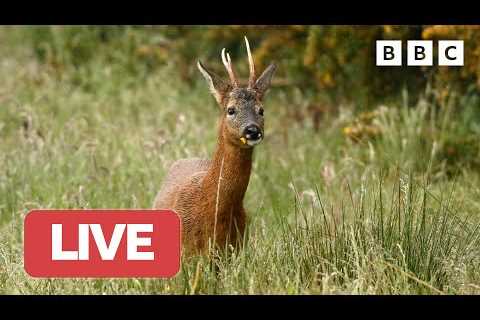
[(191, 189)]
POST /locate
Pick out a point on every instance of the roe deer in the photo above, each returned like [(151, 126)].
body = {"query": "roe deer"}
[(208, 194)]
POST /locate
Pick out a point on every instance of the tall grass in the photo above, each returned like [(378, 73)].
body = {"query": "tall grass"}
[(378, 239)]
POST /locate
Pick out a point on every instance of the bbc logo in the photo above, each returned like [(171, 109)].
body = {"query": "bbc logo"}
[(419, 53)]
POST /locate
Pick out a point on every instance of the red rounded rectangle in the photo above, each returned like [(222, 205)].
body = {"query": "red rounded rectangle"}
[(102, 243)]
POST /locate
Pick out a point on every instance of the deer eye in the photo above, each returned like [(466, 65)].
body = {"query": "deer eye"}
[(260, 111), (231, 111)]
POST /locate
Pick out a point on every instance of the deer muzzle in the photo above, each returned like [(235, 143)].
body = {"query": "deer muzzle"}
[(252, 135)]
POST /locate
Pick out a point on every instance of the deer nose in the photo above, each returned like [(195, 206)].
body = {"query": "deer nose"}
[(252, 132)]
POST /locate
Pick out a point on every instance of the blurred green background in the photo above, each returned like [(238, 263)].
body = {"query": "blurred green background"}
[(321, 68), (330, 63)]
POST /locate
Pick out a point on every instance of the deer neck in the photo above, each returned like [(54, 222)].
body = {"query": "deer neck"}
[(228, 175)]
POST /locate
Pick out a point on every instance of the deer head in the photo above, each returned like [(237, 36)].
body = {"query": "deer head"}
[(242, 109)]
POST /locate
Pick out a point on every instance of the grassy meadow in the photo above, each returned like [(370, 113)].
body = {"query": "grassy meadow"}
[(393, 212)]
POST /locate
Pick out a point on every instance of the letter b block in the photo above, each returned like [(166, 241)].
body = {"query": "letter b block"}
[(420, 53), (389, 52)]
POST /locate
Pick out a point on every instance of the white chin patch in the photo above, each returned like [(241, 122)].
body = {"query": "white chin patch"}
[(252, 143)]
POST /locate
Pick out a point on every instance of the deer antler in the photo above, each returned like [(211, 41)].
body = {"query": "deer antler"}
[(227, 62), (251, 79)]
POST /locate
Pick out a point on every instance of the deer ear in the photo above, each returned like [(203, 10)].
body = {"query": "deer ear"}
[(263, 82), (217, 86)]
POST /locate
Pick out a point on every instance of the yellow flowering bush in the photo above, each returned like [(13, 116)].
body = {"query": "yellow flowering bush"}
[(336, 63)]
